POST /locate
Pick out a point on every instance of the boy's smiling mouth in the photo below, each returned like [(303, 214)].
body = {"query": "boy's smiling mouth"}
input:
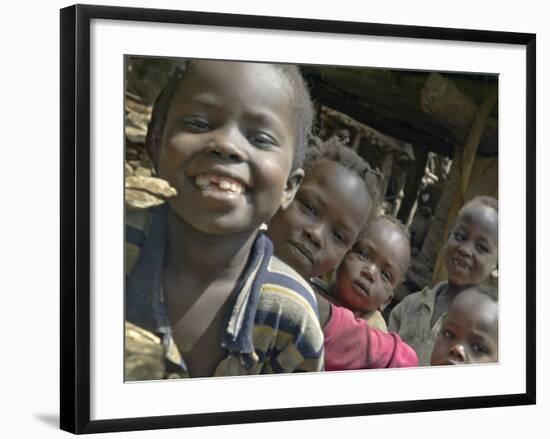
[(460, 265), (213, 184)]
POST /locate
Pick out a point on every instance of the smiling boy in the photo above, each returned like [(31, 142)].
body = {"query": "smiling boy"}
[(229, 138), (471, 254)]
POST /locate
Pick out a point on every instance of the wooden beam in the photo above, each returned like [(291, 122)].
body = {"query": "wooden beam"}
[(432, 137), (390, 101), (442, 99), (402, 151)]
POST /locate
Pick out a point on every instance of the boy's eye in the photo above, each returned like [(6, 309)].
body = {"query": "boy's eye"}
[(263, 140), (197, 124), (338, 237), (307, 208), (459, 236), (386, 275), (482, 248), (363, 254), (448, 334), (479, 349)]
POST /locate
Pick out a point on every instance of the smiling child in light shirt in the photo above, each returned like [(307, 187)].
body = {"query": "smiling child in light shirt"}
[(471, 255)]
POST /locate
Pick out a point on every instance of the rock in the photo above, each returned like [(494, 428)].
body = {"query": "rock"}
[(143, 355), (128, 170), (143, 172), (131, 153), (135, 134), (154, 185), (133, 106), (138, 200), (144, 192), (144, 161)]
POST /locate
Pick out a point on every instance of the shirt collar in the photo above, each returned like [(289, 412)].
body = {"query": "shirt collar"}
[(428, 295)]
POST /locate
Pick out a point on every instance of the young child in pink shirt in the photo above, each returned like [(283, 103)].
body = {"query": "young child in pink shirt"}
[(365, 280), (313, 235)]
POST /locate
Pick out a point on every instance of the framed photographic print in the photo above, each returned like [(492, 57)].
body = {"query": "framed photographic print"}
[(437, 114)]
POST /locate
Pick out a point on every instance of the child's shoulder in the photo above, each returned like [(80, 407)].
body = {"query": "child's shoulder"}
[(287, 305), (285, 292), (425, 295), (283, 279)]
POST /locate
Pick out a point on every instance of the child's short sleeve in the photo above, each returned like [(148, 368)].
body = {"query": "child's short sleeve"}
[(350, 343)]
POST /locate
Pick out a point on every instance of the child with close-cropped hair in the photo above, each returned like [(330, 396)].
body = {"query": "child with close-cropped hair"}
[(471, 255), (203, 290), (469, 333), (336, 198), (365, 280)]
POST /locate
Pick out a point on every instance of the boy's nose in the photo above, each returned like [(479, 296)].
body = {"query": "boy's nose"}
[(226, 143), (314, 232), (368, 271), (464, 250), (457, 354)]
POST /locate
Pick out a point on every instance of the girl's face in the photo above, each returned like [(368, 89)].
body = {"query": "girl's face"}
[(472, 248), (323, 221), (367, 276), (469, 333)]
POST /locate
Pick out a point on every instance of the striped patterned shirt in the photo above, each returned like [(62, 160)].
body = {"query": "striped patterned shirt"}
[(272, 323)]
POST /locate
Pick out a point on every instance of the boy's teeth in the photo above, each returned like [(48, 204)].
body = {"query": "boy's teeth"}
[(204, 181), (225, 185), (201, 181)]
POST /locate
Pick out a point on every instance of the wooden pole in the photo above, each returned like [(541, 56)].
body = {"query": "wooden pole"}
[(466, 160)]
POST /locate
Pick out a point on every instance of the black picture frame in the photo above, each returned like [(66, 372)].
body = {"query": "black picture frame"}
[(75, 216)]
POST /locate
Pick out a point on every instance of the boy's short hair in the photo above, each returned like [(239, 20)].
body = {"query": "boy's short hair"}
[(486, 290), (484, 200), (301, 104), (396, 222), (335, 151)]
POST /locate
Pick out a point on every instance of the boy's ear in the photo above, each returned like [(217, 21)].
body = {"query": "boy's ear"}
[(293, 183), (153, 140)]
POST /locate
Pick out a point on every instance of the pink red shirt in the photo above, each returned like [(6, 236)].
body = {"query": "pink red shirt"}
[(350, 343)]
